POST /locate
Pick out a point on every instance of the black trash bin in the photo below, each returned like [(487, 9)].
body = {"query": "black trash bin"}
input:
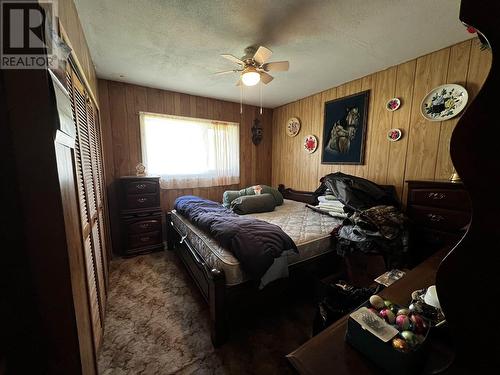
[(339, 299)]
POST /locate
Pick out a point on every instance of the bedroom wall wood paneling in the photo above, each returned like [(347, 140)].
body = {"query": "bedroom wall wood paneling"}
[(422, 152), (120, 107)]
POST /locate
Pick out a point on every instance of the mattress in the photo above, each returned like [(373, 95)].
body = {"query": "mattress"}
[(309, 230)]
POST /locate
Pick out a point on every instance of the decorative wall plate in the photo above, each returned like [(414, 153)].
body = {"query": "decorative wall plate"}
[(394, 135), (393, 104), (444, 102), (310, 143), (292, 126)]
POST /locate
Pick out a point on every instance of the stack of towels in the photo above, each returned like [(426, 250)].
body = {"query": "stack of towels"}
[(332, 205)]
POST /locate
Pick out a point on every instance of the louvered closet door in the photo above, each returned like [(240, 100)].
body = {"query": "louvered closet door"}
[(88, 208), (98, 214)]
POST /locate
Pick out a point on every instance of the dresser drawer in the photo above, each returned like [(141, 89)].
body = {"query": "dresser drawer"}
[(438, 218), (135, 201), (144, 239), (146, 225), (141, 187), (437, 238), (454, 199)]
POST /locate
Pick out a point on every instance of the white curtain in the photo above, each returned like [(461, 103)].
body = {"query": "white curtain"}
[(188, 152)]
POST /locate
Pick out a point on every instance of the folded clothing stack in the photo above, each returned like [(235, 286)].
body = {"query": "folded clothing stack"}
[(331, 205)]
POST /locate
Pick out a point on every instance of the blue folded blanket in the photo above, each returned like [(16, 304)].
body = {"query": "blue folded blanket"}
[(255, 243)]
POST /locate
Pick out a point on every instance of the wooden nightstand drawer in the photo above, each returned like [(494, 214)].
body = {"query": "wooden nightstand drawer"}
[(135, 201), (141, 187), (438, 218), (144, 239), (438, 238), (147, 225), (445, 198)]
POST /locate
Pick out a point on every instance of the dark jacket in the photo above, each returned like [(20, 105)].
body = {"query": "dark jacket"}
[(355, 192)]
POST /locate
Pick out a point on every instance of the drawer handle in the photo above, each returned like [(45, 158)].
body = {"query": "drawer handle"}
[(142, 200), (437, 196), (140, 186), (435, 218), (146, 238), (145, 225)]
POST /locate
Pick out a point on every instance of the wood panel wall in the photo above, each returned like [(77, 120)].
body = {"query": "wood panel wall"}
[(423, 151), (120, 107), (70, 21)]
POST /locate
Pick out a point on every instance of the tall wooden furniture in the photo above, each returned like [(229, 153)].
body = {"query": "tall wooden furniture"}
[(471, 268), (55, 269), (141, 217), (440, 212)]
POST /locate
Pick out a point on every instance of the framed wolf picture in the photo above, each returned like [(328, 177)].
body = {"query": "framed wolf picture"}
[(344, 129)]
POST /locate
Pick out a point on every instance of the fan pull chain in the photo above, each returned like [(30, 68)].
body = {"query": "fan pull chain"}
[(241, 99), (260, 88)]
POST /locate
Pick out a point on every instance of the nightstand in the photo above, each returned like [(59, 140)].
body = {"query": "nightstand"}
[(440, 212)]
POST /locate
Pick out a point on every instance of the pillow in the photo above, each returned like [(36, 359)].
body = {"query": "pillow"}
[(251, 204), (229, 196)]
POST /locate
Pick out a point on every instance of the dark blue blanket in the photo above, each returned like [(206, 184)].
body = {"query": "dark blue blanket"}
[(255, 243)]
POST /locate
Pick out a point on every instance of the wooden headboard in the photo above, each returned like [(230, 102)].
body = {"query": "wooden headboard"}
[(297, 195)]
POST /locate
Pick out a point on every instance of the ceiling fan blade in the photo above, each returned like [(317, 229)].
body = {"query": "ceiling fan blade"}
[(233, 59), (225, 72), (262, 55), (277, 66), (266, 78)]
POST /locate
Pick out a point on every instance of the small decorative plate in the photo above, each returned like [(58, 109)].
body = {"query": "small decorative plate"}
[(310, 143), (393, 104), (444, 102), (394, 135), (292, 126)]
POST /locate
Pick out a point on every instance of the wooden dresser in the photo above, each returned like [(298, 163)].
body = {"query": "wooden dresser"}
[(141, 217), (439, 212)]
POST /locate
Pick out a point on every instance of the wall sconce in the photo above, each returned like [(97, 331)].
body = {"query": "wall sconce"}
[(257, 132)]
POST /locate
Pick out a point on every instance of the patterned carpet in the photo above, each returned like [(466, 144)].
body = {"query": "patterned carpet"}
[(158, 323)]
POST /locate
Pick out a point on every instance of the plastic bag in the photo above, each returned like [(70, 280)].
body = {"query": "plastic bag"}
[(340, 299)]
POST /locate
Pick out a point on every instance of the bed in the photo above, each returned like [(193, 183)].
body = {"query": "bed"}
[(218, 274)]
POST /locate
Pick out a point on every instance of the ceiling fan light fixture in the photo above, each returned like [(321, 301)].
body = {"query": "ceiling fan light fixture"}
[(250, 76)]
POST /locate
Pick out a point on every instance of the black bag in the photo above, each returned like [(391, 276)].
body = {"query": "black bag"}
[(341, 298)]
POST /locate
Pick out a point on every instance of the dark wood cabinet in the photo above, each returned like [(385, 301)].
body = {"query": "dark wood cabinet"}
[(439, 212), (141, 217)]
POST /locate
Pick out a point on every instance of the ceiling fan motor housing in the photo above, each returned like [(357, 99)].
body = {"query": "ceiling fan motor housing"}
[(249, 54)]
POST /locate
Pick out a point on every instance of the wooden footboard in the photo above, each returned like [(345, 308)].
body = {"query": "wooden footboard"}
[(210, 281)]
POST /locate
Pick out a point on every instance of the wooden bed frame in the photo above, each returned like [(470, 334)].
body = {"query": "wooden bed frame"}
[(212, 283)]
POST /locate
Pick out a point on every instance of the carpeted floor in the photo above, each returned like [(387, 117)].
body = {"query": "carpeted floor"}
[(158, 323)]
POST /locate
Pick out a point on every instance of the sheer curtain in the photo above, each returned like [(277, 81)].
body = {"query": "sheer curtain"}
[(188, 152)]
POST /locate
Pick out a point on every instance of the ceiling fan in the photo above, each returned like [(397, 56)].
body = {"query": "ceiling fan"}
[(253, 67)]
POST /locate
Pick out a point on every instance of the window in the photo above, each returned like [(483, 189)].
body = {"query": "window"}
[(189, 152)]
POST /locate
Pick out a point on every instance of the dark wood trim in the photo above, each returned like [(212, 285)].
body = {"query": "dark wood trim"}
[(216, 293)]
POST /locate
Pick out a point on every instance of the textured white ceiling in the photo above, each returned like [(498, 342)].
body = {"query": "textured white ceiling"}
[(175, 44)]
